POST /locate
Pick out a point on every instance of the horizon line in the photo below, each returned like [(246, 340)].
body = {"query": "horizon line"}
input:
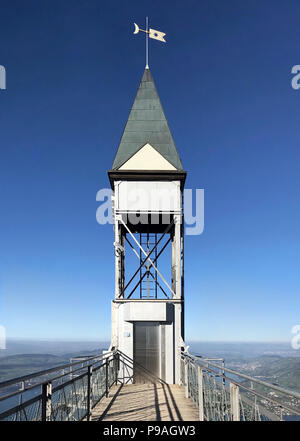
[(104, 340)]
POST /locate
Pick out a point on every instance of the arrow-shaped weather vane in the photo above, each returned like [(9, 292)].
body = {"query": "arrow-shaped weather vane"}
[(152, 33)]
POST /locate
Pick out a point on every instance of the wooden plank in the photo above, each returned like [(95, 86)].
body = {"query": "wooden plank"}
[(146, 402)]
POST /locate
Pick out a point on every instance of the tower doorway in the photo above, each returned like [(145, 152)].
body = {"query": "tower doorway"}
[(147, 352)]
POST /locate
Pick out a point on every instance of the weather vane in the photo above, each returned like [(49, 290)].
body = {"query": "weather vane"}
[(152, 33)]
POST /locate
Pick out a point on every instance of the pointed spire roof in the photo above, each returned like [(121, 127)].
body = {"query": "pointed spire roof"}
[(147, 124)]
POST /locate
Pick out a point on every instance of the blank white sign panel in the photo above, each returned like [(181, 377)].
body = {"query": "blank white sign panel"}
[(149, 196)]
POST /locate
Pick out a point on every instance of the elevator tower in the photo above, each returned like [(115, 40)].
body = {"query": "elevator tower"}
[(147, 179)]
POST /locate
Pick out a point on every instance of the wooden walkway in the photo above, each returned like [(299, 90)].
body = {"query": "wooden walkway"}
[(146, 402)]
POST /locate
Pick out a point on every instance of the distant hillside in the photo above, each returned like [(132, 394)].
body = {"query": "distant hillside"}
[(55, 347), (283, 371), (18, 365), (23, 364)]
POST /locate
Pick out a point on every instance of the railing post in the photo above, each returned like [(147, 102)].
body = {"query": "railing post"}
[(117, 364), (46, 401), (186, 379), (106, 378), (200, 393), (22, 388), (123, 362), (223, 372), (89, 392), (234, 402)]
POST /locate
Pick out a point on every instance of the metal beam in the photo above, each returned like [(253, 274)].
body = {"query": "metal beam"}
[(155, 278), (142, 263), (157, 283), (148, 258), (140, 281)]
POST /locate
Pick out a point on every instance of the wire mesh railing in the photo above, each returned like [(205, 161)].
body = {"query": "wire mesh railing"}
[(70, 392), (222, 394), (64, 393)]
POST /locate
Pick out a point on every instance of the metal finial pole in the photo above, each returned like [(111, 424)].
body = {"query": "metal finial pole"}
[(147, 45), (157, 35)]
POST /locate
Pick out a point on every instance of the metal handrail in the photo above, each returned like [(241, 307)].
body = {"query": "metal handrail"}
[(246, 377), (224, 398), (25, 389), (49, 371), (86, 372), (212, 397), (14, 409)]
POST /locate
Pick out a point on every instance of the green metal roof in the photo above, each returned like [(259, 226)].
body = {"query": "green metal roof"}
[(147, 124)]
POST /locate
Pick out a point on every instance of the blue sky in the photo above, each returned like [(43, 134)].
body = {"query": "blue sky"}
[(224, 78)]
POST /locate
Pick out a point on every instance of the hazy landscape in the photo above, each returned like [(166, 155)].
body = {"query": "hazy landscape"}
[(23, 357), (276, 363)]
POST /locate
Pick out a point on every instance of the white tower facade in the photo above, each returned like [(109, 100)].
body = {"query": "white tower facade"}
[(147, 179)]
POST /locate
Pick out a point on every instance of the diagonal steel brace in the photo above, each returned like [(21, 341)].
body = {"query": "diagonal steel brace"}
[(151, 251), (147, 257)]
